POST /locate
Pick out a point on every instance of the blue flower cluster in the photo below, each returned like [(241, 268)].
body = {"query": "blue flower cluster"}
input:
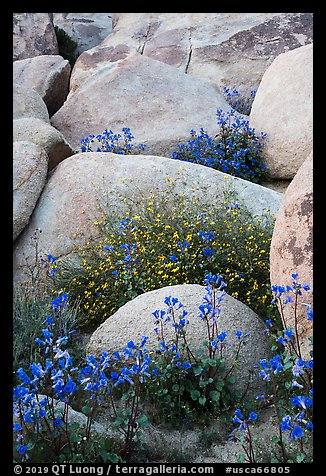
[(62, 380), (243, 428), (235, 150), (241, 421), (207, 238), (179, 323), (109, 141), (238, 102), (59, 379), (295, 289), (287, 369), (210, 308), (56, 371), (129, 262), (48, 264), (303, 416), (94, 376)]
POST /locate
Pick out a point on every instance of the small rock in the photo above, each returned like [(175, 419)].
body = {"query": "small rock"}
[(28, 103), (37, 131), (48, 75)]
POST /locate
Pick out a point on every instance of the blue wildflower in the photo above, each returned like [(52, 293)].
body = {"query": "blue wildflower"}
[(131, 345), (289, 333), (22, 375), (222, 336), (297, 432), (22, 449), (109, 248), (301, 401), (286, 423), (208, 251), (60, 301)]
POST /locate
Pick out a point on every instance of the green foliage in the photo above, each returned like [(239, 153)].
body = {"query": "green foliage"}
[(29, 311), (180, 398), (67, 46)]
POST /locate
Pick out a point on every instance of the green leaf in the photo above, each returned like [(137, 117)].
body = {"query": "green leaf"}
[(113, 458), (231, 379), (104, 455), (212, 362), (142, 420), (118, 422), (74, 426), (75, 438), (197, 370), (287, 365), (121, 301), (202, 401), (175, 387), (127, 412), (300, 457), (219, 385), (86, 410), (215, 395), (195, 394)]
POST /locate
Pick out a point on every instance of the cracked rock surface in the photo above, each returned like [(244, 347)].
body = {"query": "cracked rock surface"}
[(231, 49)]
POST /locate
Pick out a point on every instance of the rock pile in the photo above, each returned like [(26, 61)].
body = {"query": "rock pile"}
[(161, 75)]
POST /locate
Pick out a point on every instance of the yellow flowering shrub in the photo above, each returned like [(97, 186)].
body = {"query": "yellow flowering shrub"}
[(170, 240)]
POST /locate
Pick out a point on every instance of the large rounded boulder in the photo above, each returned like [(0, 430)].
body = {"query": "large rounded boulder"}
[(292, 245), (135, 319), (283, 108), (156, 101), (80, 185)]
